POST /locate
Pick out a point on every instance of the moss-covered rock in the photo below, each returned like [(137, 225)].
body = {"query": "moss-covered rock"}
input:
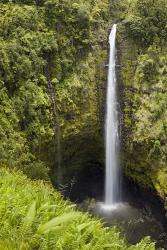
[(145, 117)]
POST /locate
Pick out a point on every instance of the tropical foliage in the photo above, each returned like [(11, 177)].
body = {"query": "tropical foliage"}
[(144, 72), (33, 216), (51, 66)]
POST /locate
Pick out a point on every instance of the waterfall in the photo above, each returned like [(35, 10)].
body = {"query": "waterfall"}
[(111, 129)]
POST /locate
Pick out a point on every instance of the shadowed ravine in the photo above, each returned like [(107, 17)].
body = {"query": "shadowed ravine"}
[(136, 216), (140, 214)]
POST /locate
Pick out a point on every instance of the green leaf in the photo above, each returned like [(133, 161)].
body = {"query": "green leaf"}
[(83, 226), (57, 221), (28, 220)]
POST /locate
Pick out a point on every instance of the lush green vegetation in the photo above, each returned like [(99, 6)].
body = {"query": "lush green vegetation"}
[(34, 216), (144, 64), (52, 89), (51, 72)]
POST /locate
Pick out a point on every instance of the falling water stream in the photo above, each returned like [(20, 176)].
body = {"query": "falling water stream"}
[(111, 130), (134, 214)]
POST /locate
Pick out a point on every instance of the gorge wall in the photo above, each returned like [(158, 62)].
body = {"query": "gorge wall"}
[(142, 45), (52, 60), (52, 87)]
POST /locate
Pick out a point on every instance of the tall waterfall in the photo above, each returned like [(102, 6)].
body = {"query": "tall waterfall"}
[(111, 129)]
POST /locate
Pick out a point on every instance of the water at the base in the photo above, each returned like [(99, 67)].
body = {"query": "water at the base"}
[(111, 131), (109, 208), (118, 211)]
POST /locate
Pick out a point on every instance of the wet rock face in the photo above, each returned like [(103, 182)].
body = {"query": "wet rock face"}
[(82, 130), (88, 184)]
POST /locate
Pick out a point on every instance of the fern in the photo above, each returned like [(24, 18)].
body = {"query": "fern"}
[(57, 221), (50, 223)]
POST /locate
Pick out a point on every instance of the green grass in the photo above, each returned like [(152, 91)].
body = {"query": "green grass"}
[(34, 216)]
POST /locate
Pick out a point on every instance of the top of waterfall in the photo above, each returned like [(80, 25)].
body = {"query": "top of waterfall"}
[(113, 32)]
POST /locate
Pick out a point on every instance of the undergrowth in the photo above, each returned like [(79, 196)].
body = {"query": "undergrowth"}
[(34, 216)]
